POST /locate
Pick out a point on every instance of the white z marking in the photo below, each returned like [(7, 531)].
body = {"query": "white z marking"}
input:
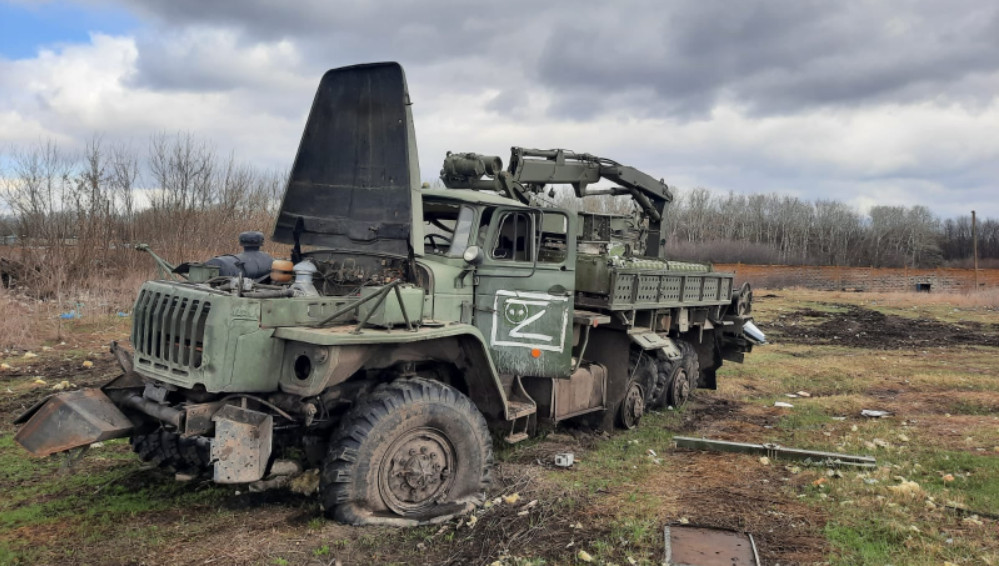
[(530, 340), (515, 332)]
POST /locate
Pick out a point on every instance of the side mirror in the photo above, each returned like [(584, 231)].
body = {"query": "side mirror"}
[(472, 255)]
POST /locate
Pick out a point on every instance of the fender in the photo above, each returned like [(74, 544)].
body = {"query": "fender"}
[(460, 344), (652, 341)]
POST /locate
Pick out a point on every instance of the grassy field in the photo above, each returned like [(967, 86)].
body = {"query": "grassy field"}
[(930, 362)]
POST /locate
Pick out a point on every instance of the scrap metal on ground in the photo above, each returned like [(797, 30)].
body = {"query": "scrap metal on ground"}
[(776, 450)]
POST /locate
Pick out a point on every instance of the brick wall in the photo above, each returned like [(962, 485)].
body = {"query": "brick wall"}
[(861, 278)]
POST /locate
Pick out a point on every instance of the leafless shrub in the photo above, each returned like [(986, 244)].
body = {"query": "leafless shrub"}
[(80, 215)]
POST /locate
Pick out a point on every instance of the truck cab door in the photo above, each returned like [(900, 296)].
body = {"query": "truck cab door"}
[(524, 290)]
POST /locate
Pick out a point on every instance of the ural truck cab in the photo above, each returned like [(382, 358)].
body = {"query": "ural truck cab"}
[(410, 323)]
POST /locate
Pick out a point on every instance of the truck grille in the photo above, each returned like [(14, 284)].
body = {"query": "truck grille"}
[(169, 330)]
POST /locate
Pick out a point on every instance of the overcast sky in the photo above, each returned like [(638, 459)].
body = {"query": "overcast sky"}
[(866, 102)]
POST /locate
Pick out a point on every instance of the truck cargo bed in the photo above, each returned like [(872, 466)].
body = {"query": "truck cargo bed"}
[(650, 289)]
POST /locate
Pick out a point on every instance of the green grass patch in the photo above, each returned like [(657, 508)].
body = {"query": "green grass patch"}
[(96, 500), (865, 542), (976, 478), (624, 458)]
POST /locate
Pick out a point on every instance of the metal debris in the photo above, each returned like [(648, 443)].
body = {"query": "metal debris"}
[(874, 414), (773, 451), (564, 459), (689, 545)]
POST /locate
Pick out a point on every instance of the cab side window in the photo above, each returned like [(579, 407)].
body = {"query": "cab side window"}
[(513, 238), (554, 238)]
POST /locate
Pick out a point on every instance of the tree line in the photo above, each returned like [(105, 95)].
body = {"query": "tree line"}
[(782, 229), (81, 211)]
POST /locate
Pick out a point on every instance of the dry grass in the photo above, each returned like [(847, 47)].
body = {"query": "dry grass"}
[(944, 399), (24, 322), (27, 322), (943, 434)]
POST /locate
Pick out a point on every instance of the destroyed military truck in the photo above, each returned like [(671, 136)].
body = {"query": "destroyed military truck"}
[(411, 325)]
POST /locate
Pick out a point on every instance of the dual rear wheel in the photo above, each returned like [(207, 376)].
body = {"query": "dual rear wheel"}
[(657, 382)]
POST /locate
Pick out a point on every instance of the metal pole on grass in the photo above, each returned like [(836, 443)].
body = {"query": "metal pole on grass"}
[(974, 245)]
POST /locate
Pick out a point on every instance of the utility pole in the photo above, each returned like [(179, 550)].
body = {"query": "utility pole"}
[(974, 245)]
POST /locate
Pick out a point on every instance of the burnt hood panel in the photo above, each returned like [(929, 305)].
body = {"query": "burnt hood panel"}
[(352, 182)]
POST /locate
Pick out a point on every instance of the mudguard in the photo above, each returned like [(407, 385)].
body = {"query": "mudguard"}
[(653, 341), (485, 386)]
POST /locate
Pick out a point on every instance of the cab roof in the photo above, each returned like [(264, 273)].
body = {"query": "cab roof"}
[(471, 197)]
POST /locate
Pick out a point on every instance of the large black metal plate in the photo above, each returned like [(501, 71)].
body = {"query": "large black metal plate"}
[(353, 176)]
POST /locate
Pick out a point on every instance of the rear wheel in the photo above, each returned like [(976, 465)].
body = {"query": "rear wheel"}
[(679, 386), (681, 375), (644, 371), (691, 363), (414, 451), (633, 406)]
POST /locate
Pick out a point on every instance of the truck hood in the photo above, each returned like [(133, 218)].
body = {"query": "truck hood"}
[(353, 183)]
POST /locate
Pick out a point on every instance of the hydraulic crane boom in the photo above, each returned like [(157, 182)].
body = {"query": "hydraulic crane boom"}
[(531, 169)]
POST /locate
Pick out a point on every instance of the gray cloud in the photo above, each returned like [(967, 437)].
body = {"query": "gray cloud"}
[(675, 59), (853, 100), (772, 58)]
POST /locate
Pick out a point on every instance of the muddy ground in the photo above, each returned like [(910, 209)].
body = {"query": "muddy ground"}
[(861, 327)]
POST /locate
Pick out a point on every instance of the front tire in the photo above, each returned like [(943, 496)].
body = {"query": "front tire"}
[(414, 451), (169, 450)]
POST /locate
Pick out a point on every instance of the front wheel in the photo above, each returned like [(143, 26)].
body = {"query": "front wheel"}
[(171, 451), (414, 451)]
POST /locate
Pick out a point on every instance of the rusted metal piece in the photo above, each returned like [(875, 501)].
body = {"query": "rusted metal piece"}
[(70, 420), (123, 356), (584, 392), (776, 451), (164, 413), (198, 419), (688, 545), (242, 444), (23, 417)]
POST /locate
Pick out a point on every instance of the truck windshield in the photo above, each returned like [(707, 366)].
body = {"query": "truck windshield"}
[(462, 230), (446, 228)]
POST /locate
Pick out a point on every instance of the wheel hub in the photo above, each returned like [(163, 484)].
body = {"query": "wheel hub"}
[(633, 407), (680, 388), (416, 471)]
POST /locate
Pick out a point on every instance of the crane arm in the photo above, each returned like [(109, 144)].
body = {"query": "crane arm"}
[(531, 169)]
